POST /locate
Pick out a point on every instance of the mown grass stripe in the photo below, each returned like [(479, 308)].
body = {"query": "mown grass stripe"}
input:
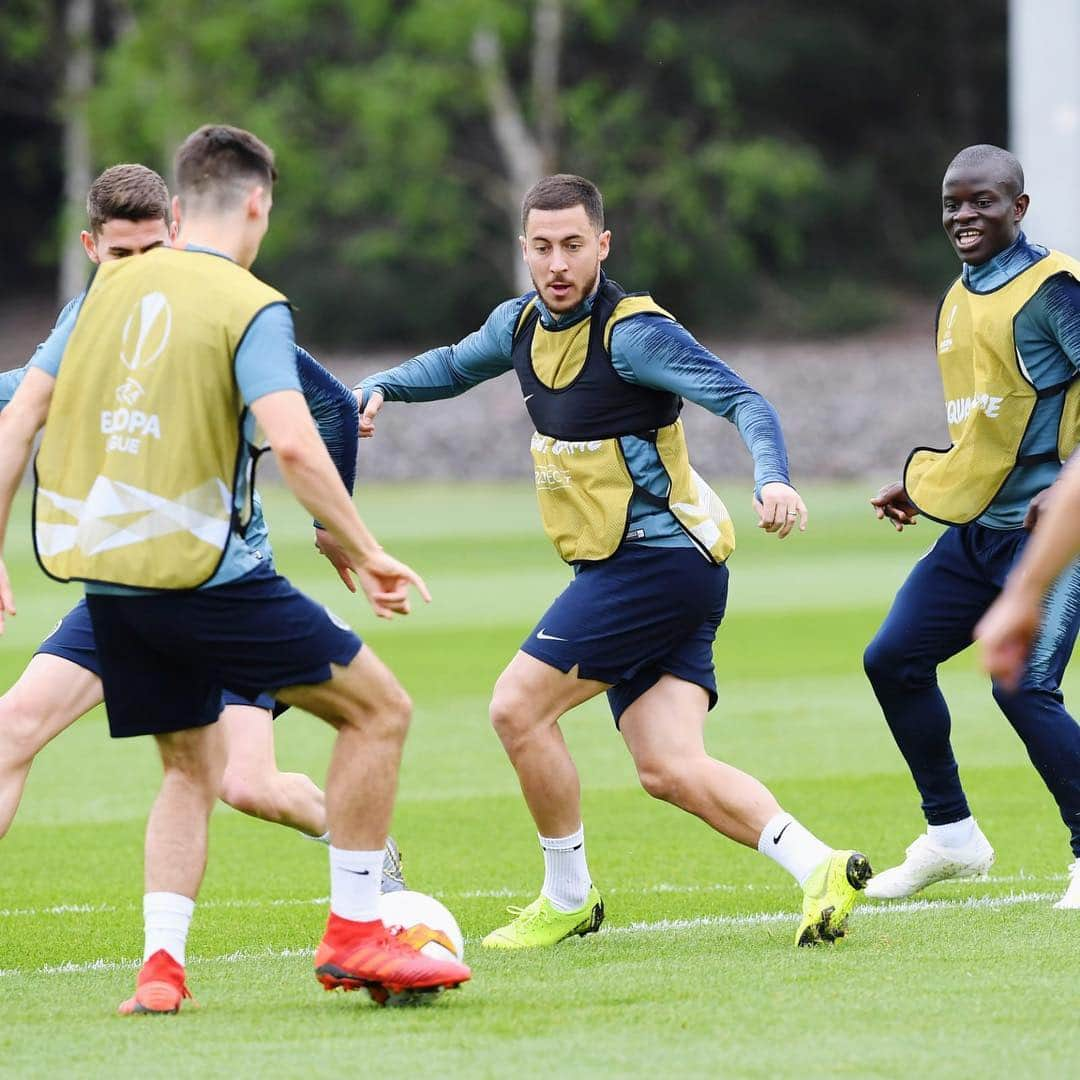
[(661, 926)]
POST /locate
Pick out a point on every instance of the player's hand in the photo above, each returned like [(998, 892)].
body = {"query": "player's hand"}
[(7, 597), (892, 503), (367, 417), (1037, 507), (326, 545), (779, 509), (386, 582), (1005, 634)]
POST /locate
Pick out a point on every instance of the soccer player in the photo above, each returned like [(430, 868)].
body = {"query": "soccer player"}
[(128, 211), (1008, 343), (603, 373), (147, 504)]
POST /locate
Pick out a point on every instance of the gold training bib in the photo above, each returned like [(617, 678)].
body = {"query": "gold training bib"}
[(137, 471), (989, 399), (585, 414)]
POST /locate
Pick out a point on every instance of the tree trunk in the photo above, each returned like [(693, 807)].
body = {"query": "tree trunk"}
[(547, 49), (78, 81), (526, 156)]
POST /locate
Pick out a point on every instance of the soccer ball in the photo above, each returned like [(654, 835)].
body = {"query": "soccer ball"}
[(424, 923)]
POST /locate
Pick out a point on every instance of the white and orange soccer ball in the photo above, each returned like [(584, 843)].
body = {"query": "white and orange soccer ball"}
[(424, 923)]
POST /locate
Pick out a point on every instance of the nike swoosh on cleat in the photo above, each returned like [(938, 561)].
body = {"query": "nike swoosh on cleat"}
[(358, 873), (543, 636), (776, 838)]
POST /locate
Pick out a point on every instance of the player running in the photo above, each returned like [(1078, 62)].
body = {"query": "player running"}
[(1008, 343), (149, 510), (603, 374), (128, 211)]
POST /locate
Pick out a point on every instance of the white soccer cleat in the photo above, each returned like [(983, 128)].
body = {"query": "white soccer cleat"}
[(927, 863), (1071, 899)]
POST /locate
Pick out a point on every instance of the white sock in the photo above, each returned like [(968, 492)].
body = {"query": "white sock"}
[(794, 847), (566, 880), (355, 883), (566, 876), (166, 920), (955, 834)]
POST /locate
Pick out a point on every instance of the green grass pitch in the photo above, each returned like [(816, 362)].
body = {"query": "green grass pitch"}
[(694, 973)]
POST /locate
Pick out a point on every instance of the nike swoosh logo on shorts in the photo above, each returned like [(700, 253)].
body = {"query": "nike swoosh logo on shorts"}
[(527, 396), (549, 637)]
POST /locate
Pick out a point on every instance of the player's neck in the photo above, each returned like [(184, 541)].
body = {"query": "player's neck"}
[(222, 236)]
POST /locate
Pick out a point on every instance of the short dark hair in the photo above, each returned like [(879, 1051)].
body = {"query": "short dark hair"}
[(128, 192), (560, 192), (218, 160), (1007, 168)]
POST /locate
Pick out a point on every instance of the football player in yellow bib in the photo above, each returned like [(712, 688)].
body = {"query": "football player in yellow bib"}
[(1008, 345), (602, 375), (151, 512), (128, 214)]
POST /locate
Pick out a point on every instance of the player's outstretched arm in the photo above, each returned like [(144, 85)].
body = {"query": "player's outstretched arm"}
[(1006, 632), (310, 474), (19, 423), (444, 372)]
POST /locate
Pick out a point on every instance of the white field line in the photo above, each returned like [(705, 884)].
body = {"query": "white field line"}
[(660, 887), (662, 926)]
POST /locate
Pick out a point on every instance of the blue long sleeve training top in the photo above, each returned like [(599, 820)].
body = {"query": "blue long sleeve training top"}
[(647, 350)]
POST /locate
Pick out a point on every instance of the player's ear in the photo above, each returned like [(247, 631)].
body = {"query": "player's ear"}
[(255, 204), (89, 246), (605, 244), (177, 216), (524, 249), (1020, 207)]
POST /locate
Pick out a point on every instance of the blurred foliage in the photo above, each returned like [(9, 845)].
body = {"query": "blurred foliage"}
[(760, 159)]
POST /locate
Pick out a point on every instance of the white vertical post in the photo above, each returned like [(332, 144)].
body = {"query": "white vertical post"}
[(1044, 115)]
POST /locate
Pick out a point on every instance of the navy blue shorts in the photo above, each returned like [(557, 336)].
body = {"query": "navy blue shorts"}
[(72, 638), (167, 657), (643, 613)]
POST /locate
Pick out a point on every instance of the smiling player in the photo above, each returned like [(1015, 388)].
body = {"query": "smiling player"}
[(1008, 342)]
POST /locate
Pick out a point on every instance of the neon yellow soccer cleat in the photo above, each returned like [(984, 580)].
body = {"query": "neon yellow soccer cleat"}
[(542, 924), (829, 895)]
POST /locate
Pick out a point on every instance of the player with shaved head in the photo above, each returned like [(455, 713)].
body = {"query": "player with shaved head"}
[(1008, 345)]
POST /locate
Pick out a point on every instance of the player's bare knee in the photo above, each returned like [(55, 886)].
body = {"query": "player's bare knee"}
[(22, 730), (509, 713), (662, 779), (245, 794), (385, 708)]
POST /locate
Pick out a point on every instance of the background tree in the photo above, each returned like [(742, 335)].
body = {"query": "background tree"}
[(762, 161)]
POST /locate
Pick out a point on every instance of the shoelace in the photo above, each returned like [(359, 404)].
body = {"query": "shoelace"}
[(530, 916)]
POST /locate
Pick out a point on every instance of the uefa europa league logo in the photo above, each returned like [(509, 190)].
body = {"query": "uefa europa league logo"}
[(146, 332)]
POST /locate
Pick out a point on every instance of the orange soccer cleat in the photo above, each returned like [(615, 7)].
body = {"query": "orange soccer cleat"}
[(357, 956), (160, 987)]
